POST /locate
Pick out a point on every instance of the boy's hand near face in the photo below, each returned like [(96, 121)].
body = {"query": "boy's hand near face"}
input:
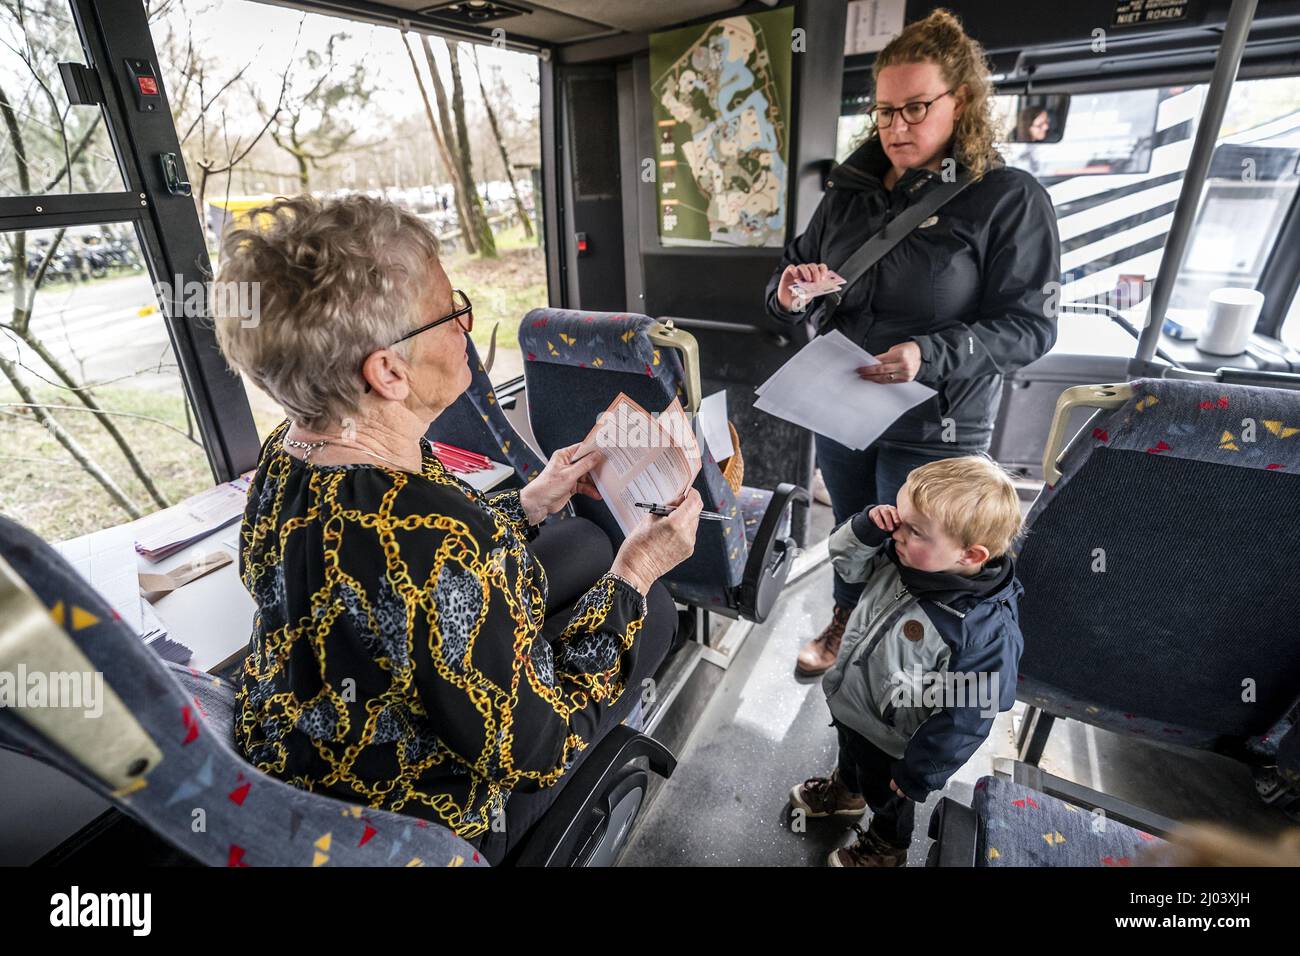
[(885, 517)]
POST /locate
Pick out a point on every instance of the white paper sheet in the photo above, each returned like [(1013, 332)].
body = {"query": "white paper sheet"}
[(106, 559), (712, 420), (819, 389)]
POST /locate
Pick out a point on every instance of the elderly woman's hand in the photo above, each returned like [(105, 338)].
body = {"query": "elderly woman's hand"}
[(565, 475), (659, 544)]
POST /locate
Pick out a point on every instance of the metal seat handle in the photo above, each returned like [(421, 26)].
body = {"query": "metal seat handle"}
[(80, 713), (1079, 396)]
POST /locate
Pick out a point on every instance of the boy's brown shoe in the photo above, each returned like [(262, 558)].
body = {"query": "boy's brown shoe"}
[(827, 796), (818, 655), (868, 850)]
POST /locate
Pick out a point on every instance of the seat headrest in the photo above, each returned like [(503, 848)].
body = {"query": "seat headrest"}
[(1244, 426), (613, 341)]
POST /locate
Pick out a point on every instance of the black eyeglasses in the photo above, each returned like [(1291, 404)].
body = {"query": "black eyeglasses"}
[(882, 117), (462, 312), (460, 307)]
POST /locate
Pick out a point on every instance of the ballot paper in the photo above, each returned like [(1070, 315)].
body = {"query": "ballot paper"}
[(820, 389), (644, 457)]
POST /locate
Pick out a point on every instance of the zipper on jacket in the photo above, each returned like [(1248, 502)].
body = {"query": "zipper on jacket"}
[(876, 638)]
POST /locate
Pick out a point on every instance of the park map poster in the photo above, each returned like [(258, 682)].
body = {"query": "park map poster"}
[(721, 95)]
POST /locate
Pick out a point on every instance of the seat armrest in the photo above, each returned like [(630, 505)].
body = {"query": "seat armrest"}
[(770, 558), (953, 827), (553, 840)]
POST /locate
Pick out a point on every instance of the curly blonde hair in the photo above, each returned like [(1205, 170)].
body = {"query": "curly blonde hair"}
[(940, 39), (337, 279)]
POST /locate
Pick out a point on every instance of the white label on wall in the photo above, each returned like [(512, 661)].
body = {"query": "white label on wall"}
[(872, 24)]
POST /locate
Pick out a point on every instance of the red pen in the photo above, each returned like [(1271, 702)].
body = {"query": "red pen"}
[(462, 453), (456, 462)]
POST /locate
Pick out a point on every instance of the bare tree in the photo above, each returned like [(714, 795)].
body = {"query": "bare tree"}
[(449, 168), (501, 145), (313, 125), (487, 244), (465, 190), (201, 103)]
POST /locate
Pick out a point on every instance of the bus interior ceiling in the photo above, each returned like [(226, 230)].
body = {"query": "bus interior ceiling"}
[(603, 253)]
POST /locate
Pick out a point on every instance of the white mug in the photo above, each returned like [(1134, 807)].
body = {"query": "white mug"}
[(1232, 316)]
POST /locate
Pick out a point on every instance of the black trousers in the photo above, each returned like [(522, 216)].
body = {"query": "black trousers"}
[(574, 553), (864, 769)]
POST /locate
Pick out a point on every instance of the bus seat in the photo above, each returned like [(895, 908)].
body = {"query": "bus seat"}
[(1009, 824), (162, 750), (1157, 566), (575, 364), (476, 423)]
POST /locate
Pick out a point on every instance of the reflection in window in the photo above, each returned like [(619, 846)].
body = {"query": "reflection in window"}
[(95, 428), (1116, 174), (46, 144)]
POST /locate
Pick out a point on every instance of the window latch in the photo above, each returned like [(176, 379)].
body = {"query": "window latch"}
[(177, 185)]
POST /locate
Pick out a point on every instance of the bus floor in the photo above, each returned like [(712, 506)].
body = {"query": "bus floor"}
[(763, 731)]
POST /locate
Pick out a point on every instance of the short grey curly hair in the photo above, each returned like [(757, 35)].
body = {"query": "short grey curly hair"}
[(336, 280)]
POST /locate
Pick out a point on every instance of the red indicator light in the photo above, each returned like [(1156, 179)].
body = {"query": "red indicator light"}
[(148, 85)]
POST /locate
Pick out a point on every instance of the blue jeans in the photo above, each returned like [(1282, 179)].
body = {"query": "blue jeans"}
[(859, 479)]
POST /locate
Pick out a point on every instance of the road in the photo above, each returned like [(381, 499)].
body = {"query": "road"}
[(101, 330), (109, 329)]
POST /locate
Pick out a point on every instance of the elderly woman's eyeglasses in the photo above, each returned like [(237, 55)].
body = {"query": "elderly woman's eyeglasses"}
[(462, 312), (882, 117)]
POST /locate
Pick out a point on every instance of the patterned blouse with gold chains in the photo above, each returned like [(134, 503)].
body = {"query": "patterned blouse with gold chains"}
[(397, 658)]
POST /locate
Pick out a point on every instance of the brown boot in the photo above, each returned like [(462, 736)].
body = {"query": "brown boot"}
[(827, 797), (818, 655), (868, 850)]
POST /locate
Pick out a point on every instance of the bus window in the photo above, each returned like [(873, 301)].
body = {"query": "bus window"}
[(330, 107), (95, 428), (45, 134), (1115, 191)]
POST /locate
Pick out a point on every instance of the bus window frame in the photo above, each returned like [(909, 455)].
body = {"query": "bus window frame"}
[(167, 227)]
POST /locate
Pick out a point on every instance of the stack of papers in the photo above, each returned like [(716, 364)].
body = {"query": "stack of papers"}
[(820, 389), (173, 528), (106, 560)]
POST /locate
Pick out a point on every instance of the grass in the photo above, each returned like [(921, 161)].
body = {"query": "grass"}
[(504, 289), (43, 487)]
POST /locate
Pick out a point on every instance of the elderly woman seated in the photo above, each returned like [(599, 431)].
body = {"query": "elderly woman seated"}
[(407, 652)]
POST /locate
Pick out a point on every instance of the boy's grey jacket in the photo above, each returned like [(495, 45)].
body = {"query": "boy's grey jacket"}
[(897, 635)]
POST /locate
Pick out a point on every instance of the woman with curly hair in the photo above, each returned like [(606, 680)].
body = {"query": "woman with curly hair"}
[(958, 303)]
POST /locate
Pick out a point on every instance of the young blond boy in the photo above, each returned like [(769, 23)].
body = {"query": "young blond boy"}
[(929, 654)]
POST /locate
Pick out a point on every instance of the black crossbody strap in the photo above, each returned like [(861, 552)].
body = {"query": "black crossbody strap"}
[(890, 235)]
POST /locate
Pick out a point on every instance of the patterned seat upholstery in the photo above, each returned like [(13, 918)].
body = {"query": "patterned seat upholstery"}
[(476, 423), (562, 348), (248, 818), (1017, 826), (1158, 570)]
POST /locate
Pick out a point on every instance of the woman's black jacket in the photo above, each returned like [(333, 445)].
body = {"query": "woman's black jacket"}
[(976, 288)]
